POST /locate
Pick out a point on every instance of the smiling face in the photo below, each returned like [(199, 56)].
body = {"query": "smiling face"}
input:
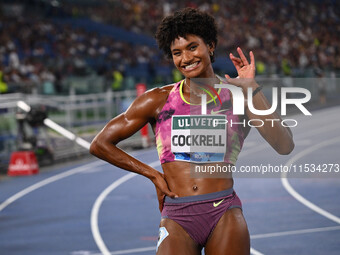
[(191, 56)]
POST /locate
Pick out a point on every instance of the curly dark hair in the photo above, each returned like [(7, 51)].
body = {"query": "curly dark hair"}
[(184, 22)]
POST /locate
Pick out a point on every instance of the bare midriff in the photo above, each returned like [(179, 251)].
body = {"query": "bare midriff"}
[(180, 180)]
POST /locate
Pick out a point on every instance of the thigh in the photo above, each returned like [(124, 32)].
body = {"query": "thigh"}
[(230, 235), (177, 240)]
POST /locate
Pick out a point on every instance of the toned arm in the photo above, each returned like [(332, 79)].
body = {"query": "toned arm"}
[(142, 111), (279, 137)]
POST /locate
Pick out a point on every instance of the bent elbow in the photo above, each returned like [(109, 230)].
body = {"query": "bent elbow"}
[(94, 147)]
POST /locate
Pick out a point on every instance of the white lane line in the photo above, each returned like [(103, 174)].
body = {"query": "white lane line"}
[(49, 180), (255, 252), (252, 237), (129, 251), (152, 248), (295, 194), (295, 232), (57, 177), (95, 209)]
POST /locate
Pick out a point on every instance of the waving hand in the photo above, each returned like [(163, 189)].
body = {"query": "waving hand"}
[(245, 70)]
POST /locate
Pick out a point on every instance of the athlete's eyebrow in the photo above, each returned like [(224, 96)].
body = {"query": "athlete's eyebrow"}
[(187, 46)]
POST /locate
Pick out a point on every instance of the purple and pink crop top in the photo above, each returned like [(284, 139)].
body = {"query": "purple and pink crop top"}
[(184, 134)]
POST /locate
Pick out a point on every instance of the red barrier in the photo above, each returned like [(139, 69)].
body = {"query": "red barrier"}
[(23, 163), (141, 88)]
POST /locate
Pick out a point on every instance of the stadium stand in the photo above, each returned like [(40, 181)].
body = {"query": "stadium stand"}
[(43, 43)]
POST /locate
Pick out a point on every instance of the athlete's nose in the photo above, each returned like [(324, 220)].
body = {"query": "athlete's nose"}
[(187, 57)]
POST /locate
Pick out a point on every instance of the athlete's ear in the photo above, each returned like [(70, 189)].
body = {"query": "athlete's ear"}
[(211, 46)]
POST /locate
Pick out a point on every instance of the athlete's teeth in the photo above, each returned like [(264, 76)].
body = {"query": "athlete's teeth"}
[(190, 66)]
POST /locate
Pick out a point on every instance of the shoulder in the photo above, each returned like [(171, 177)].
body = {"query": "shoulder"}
[(155, 95), (150, 102), (160, 91)]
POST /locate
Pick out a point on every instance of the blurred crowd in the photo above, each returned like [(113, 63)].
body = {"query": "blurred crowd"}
[(285, 35), (36, 50), (296, 33)]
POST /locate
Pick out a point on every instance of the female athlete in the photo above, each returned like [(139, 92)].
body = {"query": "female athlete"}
[(196, 212)]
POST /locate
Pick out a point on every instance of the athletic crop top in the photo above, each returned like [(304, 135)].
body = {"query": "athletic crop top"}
[(184, 134)]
